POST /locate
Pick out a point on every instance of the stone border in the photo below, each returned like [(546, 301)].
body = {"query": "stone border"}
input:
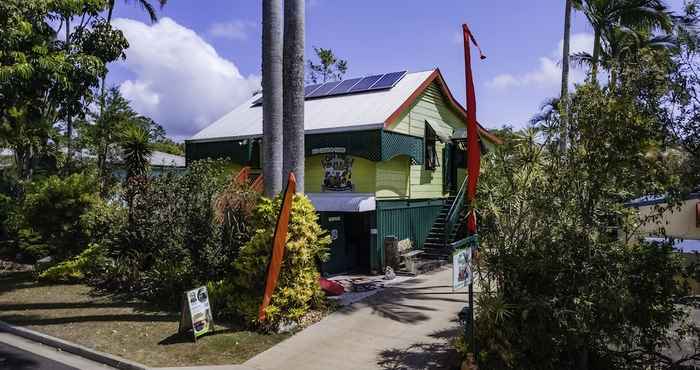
[(76, 349)]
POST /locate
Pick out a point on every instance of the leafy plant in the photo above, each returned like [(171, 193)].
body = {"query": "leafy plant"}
[(297, 288), (51, 215)]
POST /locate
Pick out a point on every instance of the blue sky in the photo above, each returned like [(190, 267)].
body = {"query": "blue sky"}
[(203, 57)]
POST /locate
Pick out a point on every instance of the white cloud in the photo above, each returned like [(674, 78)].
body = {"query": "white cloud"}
[(548, 73), (180, 80), (233, 30)]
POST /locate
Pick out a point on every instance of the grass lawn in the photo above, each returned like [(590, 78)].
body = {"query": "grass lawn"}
[(129, 329)]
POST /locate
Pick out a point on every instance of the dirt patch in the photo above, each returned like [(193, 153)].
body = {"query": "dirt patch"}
[(127, 328)]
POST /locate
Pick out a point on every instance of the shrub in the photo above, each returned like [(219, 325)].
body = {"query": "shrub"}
[(182, 231), (297, 289), (88, 263), (52, 211)]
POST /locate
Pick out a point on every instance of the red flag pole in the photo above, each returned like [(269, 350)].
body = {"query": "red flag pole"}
[(473, 147), (473, 169), (278, 242)]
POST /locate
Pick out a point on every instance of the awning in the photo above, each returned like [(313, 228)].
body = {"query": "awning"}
[(343, 202), (444, 135)]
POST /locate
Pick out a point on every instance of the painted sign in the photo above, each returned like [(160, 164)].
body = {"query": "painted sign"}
[(337, 171), (196, 313), (461, 268)]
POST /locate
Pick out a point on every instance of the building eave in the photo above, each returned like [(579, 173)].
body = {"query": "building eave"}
[(436, 76)]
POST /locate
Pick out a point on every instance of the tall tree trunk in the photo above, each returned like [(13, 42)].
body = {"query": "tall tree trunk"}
[(596, 54), (293, 91), (69, 118), (110, 10), (564, 97), (272, 96)]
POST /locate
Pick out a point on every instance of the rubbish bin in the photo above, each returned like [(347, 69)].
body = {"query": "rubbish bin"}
[(391, 252)]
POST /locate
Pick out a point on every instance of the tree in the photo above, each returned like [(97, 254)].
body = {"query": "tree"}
[(564, 96), (293, 90), (559, 256), (136, 151), (272, 97), (607, 15), (44, 81), (329, 67)]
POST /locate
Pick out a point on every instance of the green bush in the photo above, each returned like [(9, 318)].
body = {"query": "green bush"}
[(183, 230), (51, 215), (88, 263), (297, 288)]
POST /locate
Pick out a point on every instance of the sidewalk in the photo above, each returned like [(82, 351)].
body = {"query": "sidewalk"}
[(406, 326)]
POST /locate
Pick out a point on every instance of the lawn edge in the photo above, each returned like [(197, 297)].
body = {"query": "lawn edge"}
[(76, 349)]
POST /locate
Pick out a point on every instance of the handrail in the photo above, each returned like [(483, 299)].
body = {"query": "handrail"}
[(455, 209)]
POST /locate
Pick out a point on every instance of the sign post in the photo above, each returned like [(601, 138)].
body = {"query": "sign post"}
[(196, 313)]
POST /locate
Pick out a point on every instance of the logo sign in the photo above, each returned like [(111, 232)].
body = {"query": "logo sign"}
[(337, 172), (196, 313), (461, 268)]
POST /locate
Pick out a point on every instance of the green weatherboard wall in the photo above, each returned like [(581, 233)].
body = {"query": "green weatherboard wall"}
[(404, 219)]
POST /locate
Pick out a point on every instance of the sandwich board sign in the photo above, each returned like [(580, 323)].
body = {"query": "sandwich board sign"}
[(196, 313), (461, 268)]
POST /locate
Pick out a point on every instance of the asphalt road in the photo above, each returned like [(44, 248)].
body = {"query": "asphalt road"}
[(21, 354), (13, 358)]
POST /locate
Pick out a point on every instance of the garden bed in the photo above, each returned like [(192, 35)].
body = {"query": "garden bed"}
[(124, 327)]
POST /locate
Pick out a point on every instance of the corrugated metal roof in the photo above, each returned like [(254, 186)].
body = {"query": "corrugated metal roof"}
[(333, 113), (343, 202), (165, 159)]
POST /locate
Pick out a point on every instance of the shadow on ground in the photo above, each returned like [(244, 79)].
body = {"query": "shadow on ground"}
[(424, 356), (407, 302)]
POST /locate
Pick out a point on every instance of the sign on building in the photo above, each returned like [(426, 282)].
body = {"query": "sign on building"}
[(196, 313), (461, 268)]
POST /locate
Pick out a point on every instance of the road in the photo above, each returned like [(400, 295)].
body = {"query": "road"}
[(20, 354)]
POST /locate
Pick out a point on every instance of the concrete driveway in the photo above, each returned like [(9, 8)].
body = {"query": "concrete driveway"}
[(406, 326)]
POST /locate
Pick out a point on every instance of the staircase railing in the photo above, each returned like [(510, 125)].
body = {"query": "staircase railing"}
[(453, 215)]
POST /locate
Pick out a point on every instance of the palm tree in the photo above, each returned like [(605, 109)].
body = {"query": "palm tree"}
[(564, 97), (144, 4), (149, 9), (605, 15), (623, 44), (272, 96), (137, 151), (293, 91)]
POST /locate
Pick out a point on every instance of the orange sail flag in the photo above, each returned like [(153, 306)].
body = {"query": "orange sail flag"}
[(473, 147), (279, 240)]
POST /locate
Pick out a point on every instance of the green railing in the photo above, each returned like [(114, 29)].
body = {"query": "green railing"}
[(453, 215)]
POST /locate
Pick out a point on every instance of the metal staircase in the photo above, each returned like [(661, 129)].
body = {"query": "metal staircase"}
[(448, 229)]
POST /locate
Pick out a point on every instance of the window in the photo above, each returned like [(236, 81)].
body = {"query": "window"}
[(431, 157)]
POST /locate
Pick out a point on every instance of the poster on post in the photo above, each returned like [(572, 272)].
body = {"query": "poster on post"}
[(461, 268), (196, 313)]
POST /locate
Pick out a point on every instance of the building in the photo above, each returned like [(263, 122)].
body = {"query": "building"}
[(681, 223), (160, 163), (384, 157)]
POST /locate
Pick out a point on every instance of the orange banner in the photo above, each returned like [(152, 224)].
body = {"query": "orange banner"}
[(278, 242)]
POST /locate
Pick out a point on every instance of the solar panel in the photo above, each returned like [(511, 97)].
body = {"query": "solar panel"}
[(344, 86), (309, 89), (366, 83), (323, 90), (388, 80)]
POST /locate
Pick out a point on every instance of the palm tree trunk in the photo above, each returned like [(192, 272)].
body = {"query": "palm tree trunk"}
[(596, 54), (564, 97), (272, 96), (293, 91)]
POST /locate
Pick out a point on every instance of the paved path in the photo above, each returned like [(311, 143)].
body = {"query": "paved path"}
[(20, 354), (407, 326)]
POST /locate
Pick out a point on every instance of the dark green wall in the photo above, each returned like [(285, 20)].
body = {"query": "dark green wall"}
[(405, 219)]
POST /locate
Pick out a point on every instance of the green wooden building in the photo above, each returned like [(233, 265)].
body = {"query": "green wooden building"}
[(384, 158)]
